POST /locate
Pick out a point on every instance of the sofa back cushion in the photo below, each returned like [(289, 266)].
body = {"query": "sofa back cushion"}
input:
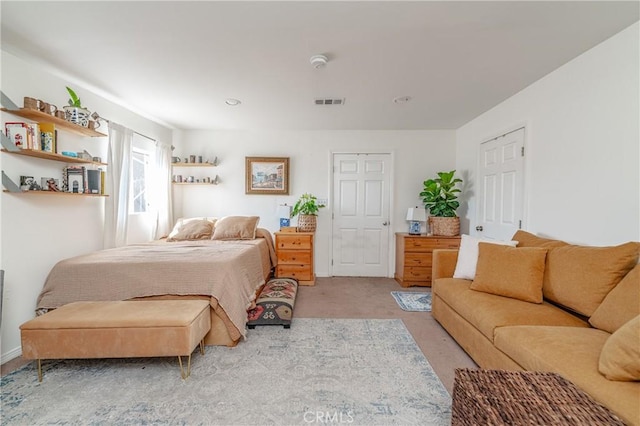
[(621, 304), (527, 239), (580, 277), (620, 356), (511, 272)]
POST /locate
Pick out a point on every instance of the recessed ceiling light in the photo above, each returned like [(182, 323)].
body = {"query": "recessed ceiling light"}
[(232, 102), (401, 99)]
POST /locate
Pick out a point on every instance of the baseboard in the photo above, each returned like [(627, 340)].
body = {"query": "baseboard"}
[(12, 354)]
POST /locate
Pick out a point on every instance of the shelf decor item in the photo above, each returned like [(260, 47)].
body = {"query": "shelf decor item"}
[(306, 208), (75, 112), (416, 215), (440, 198)]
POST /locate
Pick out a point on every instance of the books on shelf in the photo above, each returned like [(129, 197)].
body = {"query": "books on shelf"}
[(48, 136), (79, 179)]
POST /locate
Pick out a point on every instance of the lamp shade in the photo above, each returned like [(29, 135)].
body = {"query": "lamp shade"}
[(417, 214)]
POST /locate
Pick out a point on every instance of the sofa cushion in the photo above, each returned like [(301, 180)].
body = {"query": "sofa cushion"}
[(527, 239), (468, 255), (573, 353), (621, 304), (620, 356), (579, 277), (510, 272), (487, 311)]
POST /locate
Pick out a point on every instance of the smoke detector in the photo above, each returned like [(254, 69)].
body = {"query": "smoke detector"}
[(318, 61)]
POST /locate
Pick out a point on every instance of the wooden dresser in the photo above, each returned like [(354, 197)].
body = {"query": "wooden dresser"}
[(295, 256), (413, 257)]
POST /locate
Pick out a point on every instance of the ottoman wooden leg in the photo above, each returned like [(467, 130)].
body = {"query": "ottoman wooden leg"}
[(39, 370), (185, 374)]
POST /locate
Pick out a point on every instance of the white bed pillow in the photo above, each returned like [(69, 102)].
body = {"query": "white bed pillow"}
[(468, 255), (184, 220)]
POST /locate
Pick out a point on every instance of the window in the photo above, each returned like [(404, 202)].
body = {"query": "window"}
[(139, 184)]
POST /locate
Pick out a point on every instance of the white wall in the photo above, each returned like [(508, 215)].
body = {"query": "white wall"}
[(39, 230), (417, 155), (583, 157)]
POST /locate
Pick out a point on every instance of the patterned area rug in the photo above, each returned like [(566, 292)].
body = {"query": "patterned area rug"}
[(340, 371), (413, 301)]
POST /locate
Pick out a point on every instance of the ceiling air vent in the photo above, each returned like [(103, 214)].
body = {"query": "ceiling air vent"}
[(330, 101)]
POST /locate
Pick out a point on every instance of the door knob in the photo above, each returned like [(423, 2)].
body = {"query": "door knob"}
[(385, 223), (479, 228)]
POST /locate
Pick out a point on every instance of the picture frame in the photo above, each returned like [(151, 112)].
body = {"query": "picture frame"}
[(267, 175)]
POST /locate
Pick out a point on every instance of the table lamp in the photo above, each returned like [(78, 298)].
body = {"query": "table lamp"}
[(284, 213), (415, 215)]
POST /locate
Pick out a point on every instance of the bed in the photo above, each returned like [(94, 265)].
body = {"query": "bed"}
[(227, 272)]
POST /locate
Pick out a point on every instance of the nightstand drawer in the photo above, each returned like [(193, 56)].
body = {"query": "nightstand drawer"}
[(295, 257), (417, 259), (293, 241), (300, 272), (416, 273)]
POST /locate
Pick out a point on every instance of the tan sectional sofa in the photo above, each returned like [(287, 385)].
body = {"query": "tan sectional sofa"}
[(581, 320)]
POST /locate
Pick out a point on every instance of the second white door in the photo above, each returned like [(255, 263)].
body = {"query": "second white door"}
[(361, 185)]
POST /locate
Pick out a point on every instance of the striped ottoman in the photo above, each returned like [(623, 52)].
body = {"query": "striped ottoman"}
[(274, 304)]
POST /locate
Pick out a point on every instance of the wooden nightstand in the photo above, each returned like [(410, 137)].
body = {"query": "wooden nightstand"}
[(413, 257), (295, 256)]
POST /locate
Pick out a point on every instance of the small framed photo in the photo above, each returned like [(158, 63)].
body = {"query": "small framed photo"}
[(76, 183), (267, 175)]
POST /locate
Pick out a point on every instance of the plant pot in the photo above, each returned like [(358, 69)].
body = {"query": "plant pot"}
[(444, 226), (307, 223), (79, 116)]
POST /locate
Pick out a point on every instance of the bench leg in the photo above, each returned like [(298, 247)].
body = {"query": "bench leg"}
[(202, 347), (184, 374), (39, 370)]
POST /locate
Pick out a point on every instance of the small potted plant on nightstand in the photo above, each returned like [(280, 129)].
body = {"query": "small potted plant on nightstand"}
[(75, 112), (306, 208), (440, 198)]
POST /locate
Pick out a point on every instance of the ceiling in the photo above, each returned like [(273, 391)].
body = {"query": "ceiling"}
[(177, 61)]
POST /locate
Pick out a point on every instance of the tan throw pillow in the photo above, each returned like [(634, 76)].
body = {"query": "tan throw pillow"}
[(184, 220), (621, 304), (236, 228), (527, 239), (193, 230), (620, 356), (579, 277), (510, 272), (468, 255)]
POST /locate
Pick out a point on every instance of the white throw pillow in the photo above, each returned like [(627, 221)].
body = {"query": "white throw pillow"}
[(468, 255)]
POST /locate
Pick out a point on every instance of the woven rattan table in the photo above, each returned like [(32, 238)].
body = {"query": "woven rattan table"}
[(496, 397)]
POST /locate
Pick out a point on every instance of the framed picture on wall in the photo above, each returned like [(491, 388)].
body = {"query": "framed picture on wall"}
[(267, 175)]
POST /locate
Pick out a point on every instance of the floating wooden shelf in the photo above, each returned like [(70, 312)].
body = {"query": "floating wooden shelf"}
[(193, 165), (195, 183), (39, 116), (51, 156), (70, 194)]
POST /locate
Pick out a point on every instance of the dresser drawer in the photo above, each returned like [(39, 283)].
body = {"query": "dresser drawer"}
[(417, 259), (300, 272), (293, 256), (293, 241), (417, 273)]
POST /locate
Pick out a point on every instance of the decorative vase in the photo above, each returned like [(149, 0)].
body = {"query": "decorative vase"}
[(307, 223), (444, 226), (79, 116)]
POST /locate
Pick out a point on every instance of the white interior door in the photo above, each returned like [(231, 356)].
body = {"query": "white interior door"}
[(361, 185), (501, 186)]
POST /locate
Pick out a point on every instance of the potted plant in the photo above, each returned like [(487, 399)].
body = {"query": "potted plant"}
[(306, 208), (75, 112), (440, 198)]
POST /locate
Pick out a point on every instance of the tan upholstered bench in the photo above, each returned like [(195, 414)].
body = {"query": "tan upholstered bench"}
[(127, 329)]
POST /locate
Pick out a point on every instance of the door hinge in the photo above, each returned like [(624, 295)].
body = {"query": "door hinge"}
[(331, 262), (522, 151), (520, 224)]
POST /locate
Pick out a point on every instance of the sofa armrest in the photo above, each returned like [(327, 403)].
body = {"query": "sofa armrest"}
[(443, 263)]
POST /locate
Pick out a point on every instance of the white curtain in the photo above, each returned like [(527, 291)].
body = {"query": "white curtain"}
[(160, 191), (117, 186)]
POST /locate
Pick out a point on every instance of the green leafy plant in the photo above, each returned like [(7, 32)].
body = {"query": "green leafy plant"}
[(306, 204), (74, 100), (439, 195)]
